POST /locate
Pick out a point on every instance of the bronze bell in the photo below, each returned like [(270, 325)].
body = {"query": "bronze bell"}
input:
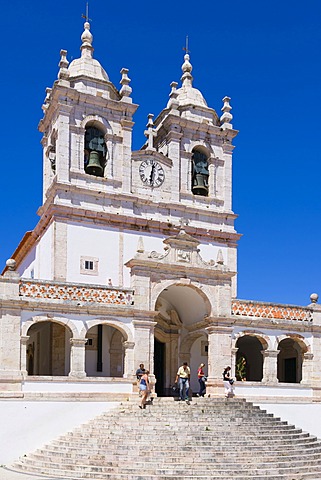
[(94, 166), (200, 185)]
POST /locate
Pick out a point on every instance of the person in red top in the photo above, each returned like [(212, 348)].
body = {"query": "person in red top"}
[(201, 380)]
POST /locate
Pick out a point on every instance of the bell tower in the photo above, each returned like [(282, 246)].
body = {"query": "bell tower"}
[(87, 125)]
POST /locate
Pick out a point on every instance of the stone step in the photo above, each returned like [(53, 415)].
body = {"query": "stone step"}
[(269, 450), (221, 439), (99, 459), (105, 471)]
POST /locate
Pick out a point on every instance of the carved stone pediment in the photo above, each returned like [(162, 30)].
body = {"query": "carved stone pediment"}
[(180, 254)]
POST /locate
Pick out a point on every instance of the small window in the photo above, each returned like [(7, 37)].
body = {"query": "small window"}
[(88, 266)]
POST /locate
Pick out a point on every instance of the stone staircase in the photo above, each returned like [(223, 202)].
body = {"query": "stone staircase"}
[(214, 439)]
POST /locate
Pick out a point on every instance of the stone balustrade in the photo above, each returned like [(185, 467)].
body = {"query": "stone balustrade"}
[(75, 292), (247, 308)]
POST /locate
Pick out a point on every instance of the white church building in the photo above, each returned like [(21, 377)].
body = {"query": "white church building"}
[(134, 258)]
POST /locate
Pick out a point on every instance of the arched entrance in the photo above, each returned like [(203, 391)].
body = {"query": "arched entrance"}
[(289, 361), (104, 352), (48, 349), (249, 359), (179, 334)]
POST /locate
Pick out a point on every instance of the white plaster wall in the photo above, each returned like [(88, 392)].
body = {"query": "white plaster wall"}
[(43, 270), (130, 248), (97, 242), (28, 264), (210, 251), (38, 259)]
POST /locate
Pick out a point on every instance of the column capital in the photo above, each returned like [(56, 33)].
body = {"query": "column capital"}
[(308, 356), (270, 353), (78, 342), (129, 345), (24, 339), (144, 323), (220, 329)]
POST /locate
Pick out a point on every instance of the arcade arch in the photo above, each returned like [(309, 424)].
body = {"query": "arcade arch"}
[(104, 351), (249, 359), (48, 348), (290, 360)]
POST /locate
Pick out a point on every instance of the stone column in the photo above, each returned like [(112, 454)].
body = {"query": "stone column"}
[(307, 368), (233, 361), (23, 354), (129, 367), (219, 357), (144, 344), (270, 366), (77, 357)]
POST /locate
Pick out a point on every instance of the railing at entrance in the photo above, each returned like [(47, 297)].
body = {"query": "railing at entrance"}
[(75, 292), (248, 308)]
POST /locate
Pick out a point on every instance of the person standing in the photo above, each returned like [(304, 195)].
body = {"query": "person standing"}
[(182, 377), (201, 380), (228, 382), (140, 371), (144, 388)]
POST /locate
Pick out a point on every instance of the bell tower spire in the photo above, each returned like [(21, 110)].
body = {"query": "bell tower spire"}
[(87, 37)]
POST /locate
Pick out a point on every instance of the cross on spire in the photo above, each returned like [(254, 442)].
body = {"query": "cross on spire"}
[(87, 13), (150, 132), (186, 45)]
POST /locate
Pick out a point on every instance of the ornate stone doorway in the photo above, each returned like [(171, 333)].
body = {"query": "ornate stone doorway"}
[(179, 334)]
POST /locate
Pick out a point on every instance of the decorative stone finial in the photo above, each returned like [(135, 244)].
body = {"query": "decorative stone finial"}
[(220, 258), (140, 245), (187, 68), (63, 65), (87, 40), (226, 118), (11, 264), (173, 100), (314, 297), (150, 132), (183, 223), (46, 103), (125, 90)]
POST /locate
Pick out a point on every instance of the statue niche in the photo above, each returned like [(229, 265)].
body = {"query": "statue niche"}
[(95, 152), (200, 174)]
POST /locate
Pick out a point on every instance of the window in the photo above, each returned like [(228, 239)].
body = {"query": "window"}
[(88, 266)]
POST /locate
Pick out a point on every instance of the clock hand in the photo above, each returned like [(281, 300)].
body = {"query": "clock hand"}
[(152, 174)]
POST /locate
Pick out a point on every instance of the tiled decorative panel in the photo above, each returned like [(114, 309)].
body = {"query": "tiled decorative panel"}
[(262, 310), (71, 292)]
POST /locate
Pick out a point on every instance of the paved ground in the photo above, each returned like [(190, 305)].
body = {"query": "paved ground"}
[(26, 426)]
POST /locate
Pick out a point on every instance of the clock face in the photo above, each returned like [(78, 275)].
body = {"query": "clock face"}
[(151, 173)]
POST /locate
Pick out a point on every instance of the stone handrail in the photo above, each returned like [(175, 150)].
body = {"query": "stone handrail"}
[(44, 289), (248, 308)]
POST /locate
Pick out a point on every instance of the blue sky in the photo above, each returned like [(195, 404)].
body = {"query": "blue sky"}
[(264, 55)]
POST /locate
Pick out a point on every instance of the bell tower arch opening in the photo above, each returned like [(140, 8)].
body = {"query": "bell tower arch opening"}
[(180, 334), (200, 172), (95, 151)]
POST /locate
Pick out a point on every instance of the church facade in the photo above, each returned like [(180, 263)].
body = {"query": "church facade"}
[(134, 258)]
